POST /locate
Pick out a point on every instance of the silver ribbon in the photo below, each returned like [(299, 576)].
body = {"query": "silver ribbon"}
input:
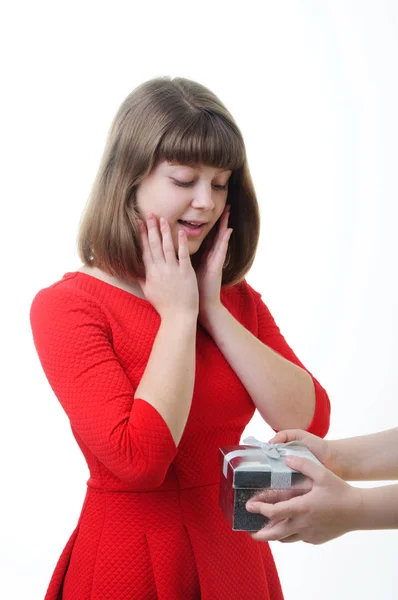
[(281, 474)]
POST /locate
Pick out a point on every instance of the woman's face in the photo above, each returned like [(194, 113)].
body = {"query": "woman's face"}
[(190, 198)]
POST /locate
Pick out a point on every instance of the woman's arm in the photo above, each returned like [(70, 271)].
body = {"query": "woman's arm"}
[(170, 286), (133, 433), (168, 381), (283, 392), (281, 387)]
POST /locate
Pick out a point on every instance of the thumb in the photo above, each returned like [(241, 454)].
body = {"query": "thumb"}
[(288, 435), (307, 467)]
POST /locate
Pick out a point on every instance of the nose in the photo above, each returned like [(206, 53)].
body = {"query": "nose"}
[(203, 197)]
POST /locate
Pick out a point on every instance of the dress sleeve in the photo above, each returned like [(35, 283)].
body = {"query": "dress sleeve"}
[(127, 435), (269, 334)]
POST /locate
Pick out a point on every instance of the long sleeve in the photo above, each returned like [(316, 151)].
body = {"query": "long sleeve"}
[(74, 344), (269, 334)]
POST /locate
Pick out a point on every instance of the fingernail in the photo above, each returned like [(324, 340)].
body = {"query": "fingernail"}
[(249, 506), (149, 216)]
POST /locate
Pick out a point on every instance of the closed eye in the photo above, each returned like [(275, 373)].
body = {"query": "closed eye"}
[(183, 183), (190, 183)]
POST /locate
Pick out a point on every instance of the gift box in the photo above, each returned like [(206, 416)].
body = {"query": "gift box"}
[(257, 471)]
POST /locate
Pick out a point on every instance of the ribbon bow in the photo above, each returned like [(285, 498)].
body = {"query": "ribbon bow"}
[(281, 474), (270, 450)]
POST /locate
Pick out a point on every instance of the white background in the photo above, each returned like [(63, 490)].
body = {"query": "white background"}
[(314, 87)]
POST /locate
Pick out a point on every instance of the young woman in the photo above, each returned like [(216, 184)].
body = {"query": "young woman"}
[(333, 507), (159, 352)]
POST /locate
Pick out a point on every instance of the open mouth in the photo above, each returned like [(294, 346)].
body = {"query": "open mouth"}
[(191, 224), (191, 228)]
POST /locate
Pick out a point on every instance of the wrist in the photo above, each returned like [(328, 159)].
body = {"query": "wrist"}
[(210, 315), (179, 318), (379, 508), (355, 509), (347, 461), (334, 458)]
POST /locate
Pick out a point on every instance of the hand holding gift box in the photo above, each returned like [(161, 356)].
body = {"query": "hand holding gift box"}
[(257, 471), (333, 507)]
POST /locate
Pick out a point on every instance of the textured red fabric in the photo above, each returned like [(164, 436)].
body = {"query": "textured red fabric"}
[(150, 527)]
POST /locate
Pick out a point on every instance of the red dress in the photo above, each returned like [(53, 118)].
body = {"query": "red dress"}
[(150, 527)]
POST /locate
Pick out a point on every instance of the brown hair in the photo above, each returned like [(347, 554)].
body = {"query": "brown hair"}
[(175, 120)]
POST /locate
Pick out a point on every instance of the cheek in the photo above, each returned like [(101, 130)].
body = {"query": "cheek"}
[(220, 204), (163, 201), (174, 204), (144, 199), (149, 199)]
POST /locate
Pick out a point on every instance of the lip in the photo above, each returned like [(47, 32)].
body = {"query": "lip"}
[(190, 232), (194, 222)]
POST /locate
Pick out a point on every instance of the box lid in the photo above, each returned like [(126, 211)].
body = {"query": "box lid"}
[(246, 466)]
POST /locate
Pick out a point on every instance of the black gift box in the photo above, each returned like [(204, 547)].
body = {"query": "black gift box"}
[(258, 471)]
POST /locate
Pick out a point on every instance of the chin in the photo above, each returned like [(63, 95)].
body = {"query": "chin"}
[(194, 246)]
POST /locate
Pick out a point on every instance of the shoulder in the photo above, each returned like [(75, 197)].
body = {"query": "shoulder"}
[(242, 301), (62, 300), (241, 294)]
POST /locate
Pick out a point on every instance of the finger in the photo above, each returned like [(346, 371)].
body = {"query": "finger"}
[(275, 512), (146, 250), (220, 251), (167, 241), (224, 245), (222, 228), (183, 250), (225, 216), (155, 242), (272, 534), (318, 473), (290, 539), (288, 435)]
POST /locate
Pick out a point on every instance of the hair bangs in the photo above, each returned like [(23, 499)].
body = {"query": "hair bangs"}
[(206, 139)]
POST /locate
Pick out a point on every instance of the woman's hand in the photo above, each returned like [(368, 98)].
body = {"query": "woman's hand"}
[(209, 274), (170, 284), (329, 510)]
